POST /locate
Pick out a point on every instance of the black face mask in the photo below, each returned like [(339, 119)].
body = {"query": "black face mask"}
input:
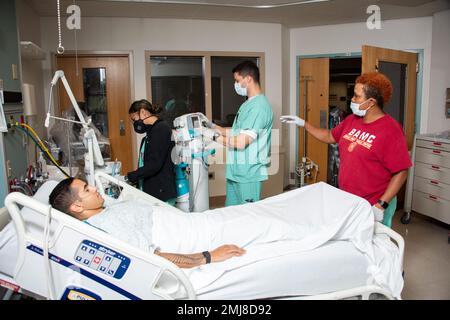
[(139, 125)]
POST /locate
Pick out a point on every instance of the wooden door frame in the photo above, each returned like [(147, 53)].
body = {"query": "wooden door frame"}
[(346, 55), (103, 54)]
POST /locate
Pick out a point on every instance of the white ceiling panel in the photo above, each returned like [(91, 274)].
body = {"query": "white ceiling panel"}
[(289, 13)]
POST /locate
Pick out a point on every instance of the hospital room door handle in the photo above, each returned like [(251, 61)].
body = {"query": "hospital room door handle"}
[(122, 127)]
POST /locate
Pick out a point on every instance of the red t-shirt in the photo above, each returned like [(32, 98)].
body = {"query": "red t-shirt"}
[(370, 154)]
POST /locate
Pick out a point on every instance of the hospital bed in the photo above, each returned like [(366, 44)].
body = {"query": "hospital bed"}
[(47, 254)]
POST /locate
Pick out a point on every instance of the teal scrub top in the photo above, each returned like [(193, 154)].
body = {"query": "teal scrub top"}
[(141, 163), (255, 117)]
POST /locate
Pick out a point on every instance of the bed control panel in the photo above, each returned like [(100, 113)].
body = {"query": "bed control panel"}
[(102, 259)]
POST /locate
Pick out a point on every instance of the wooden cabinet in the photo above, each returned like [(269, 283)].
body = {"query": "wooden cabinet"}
[(428, 189)]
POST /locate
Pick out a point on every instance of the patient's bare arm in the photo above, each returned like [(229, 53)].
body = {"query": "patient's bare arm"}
[(222, 253)]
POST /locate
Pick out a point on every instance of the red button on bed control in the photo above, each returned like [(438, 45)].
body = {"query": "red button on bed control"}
[(436, 152), (97, 260)]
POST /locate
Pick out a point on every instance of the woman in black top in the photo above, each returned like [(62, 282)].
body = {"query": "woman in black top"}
[(155, 173)]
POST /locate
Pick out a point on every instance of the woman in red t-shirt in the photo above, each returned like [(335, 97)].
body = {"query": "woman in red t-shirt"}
[(374, 157)]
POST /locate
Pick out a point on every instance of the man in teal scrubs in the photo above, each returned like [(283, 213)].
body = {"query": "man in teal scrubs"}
[(248, 141)]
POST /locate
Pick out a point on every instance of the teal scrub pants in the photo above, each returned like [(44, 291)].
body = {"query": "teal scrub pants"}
[(389, 212), (240, 193)]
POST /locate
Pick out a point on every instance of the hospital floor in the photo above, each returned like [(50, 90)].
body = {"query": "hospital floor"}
[(427, 257)]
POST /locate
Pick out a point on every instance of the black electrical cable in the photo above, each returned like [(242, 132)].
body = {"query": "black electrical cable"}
[(43, 151)]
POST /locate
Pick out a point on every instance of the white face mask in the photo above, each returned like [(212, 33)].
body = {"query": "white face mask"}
[(357, 111), (240, 90)]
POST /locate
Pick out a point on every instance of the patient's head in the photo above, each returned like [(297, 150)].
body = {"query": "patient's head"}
[(77, 198)]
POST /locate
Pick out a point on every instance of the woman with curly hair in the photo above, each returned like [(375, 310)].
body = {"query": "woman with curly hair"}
[(372, 146)]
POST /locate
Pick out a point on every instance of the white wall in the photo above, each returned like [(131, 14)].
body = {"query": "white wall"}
[(404, 34), (139, 35), (440, 72)]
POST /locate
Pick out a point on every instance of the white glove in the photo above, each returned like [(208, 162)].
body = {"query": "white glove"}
[(293, 119), (210, 134), (378, 213)]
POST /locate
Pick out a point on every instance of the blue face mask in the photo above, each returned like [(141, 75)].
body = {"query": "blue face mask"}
[(240, 90), (357, 111)]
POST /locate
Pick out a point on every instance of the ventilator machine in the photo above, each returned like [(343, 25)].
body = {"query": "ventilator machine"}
[(192, 149)]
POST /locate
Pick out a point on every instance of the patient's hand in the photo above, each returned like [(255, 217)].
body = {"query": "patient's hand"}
[(226, 252), (222, 253)]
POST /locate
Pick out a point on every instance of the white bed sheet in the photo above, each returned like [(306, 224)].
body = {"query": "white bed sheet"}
[(303, 219), (335, 266), (297, 273)]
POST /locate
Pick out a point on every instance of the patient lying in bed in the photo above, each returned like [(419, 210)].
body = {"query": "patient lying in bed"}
[(130, 221), (199, 238)]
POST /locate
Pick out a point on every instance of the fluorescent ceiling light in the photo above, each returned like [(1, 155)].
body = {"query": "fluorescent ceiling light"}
[(268, 6)]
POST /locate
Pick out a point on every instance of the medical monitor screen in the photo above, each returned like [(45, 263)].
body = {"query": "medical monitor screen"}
[(195, 123)]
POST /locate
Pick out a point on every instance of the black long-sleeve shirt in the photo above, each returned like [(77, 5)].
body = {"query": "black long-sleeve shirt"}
[(158, 169)]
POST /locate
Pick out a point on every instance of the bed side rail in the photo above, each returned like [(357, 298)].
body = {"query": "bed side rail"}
[(363, 292), (382, 229), (129, 192), (366, 291), (66, 227)]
